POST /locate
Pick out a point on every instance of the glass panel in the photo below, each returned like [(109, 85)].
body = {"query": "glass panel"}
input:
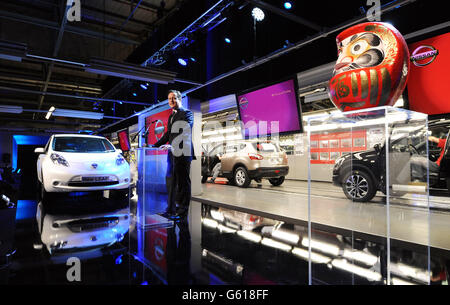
[(407, 197), (379, 170), (150, 201)]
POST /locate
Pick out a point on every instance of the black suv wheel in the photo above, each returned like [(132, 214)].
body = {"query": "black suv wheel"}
[(277, 181), (358, 186)]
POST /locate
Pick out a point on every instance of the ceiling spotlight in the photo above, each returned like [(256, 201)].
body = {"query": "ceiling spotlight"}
[(50, 112), (258, 14), (227, 40), (182, 61), (143, 86), (287, 5)]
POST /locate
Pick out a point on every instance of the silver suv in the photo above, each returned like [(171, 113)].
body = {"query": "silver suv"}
[(245, 160)]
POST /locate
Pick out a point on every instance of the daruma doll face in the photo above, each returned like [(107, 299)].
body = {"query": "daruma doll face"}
[(371, 69)]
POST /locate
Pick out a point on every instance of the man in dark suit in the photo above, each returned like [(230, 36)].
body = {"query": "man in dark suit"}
[(179, 157)]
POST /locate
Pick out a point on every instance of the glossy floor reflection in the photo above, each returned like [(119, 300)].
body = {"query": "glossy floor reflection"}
[(213, 246), (237, 244)]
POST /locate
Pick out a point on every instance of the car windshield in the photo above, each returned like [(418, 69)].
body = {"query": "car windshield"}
[(82, 145)]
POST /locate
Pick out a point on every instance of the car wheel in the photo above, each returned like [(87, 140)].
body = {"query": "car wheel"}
[(277, 181), (241, 177), (359, 186), (204, 178)]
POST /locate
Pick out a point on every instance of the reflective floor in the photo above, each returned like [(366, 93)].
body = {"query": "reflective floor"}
[(97, 240), (330, 208)]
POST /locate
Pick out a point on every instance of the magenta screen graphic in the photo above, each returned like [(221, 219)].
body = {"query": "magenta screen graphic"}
[(272, 106)]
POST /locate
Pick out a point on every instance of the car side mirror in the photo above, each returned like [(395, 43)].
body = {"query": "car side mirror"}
[(39, 150), (377, 148)]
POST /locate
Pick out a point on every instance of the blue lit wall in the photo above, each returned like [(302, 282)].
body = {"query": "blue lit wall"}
[(26, 140)]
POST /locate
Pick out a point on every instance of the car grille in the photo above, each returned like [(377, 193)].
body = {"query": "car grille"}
[(84, 184), (92, 224)]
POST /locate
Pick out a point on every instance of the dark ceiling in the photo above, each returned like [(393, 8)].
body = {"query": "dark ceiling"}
[(131, 31)]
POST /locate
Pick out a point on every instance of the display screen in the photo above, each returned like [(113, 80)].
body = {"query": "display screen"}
[(270, 110), (429, 77), (124, 140)]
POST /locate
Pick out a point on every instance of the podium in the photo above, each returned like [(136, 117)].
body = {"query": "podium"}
[(151, 188)]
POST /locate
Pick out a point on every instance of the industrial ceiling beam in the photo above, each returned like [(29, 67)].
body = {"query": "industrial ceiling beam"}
[(145, 5), (131, 15), (69, 29), (86, 98), (21, 101), (66, 7), (125, 82), (53, 85), (114, 15)]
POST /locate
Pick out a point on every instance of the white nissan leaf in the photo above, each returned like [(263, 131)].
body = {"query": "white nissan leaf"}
[(74, 162)]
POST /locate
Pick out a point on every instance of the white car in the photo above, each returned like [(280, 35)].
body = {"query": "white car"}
[(75, 162), (65, 233)]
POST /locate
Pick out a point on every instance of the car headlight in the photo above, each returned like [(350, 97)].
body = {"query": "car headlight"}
[(339, 162), (58, 159), (120, 160)]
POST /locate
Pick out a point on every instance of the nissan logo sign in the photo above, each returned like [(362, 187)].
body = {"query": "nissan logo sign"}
[(424, 55)]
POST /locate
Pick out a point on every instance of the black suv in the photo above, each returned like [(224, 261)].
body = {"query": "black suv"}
[(361, 174)]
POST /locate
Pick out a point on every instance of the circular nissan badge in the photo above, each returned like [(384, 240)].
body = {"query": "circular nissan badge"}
[(243, 103), (424, 55)]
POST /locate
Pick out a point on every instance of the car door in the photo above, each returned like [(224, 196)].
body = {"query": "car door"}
[(218, 150), (229, 158)]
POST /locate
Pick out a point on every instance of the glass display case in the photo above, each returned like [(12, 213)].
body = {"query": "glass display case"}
[(381, 174)]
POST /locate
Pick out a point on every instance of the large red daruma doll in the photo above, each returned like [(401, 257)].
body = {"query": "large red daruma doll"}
[(372, 67)]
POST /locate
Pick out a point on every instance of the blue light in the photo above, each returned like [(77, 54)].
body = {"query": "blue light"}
[(134, 94), (182, 62), (193, 59), (287, 5), (227, 40), (26, 209), (143, 86), (144, 283), (119, 260)]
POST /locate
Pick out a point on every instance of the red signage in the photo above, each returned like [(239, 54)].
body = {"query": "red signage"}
[(158, 125), (429, 76), (326, 148)]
